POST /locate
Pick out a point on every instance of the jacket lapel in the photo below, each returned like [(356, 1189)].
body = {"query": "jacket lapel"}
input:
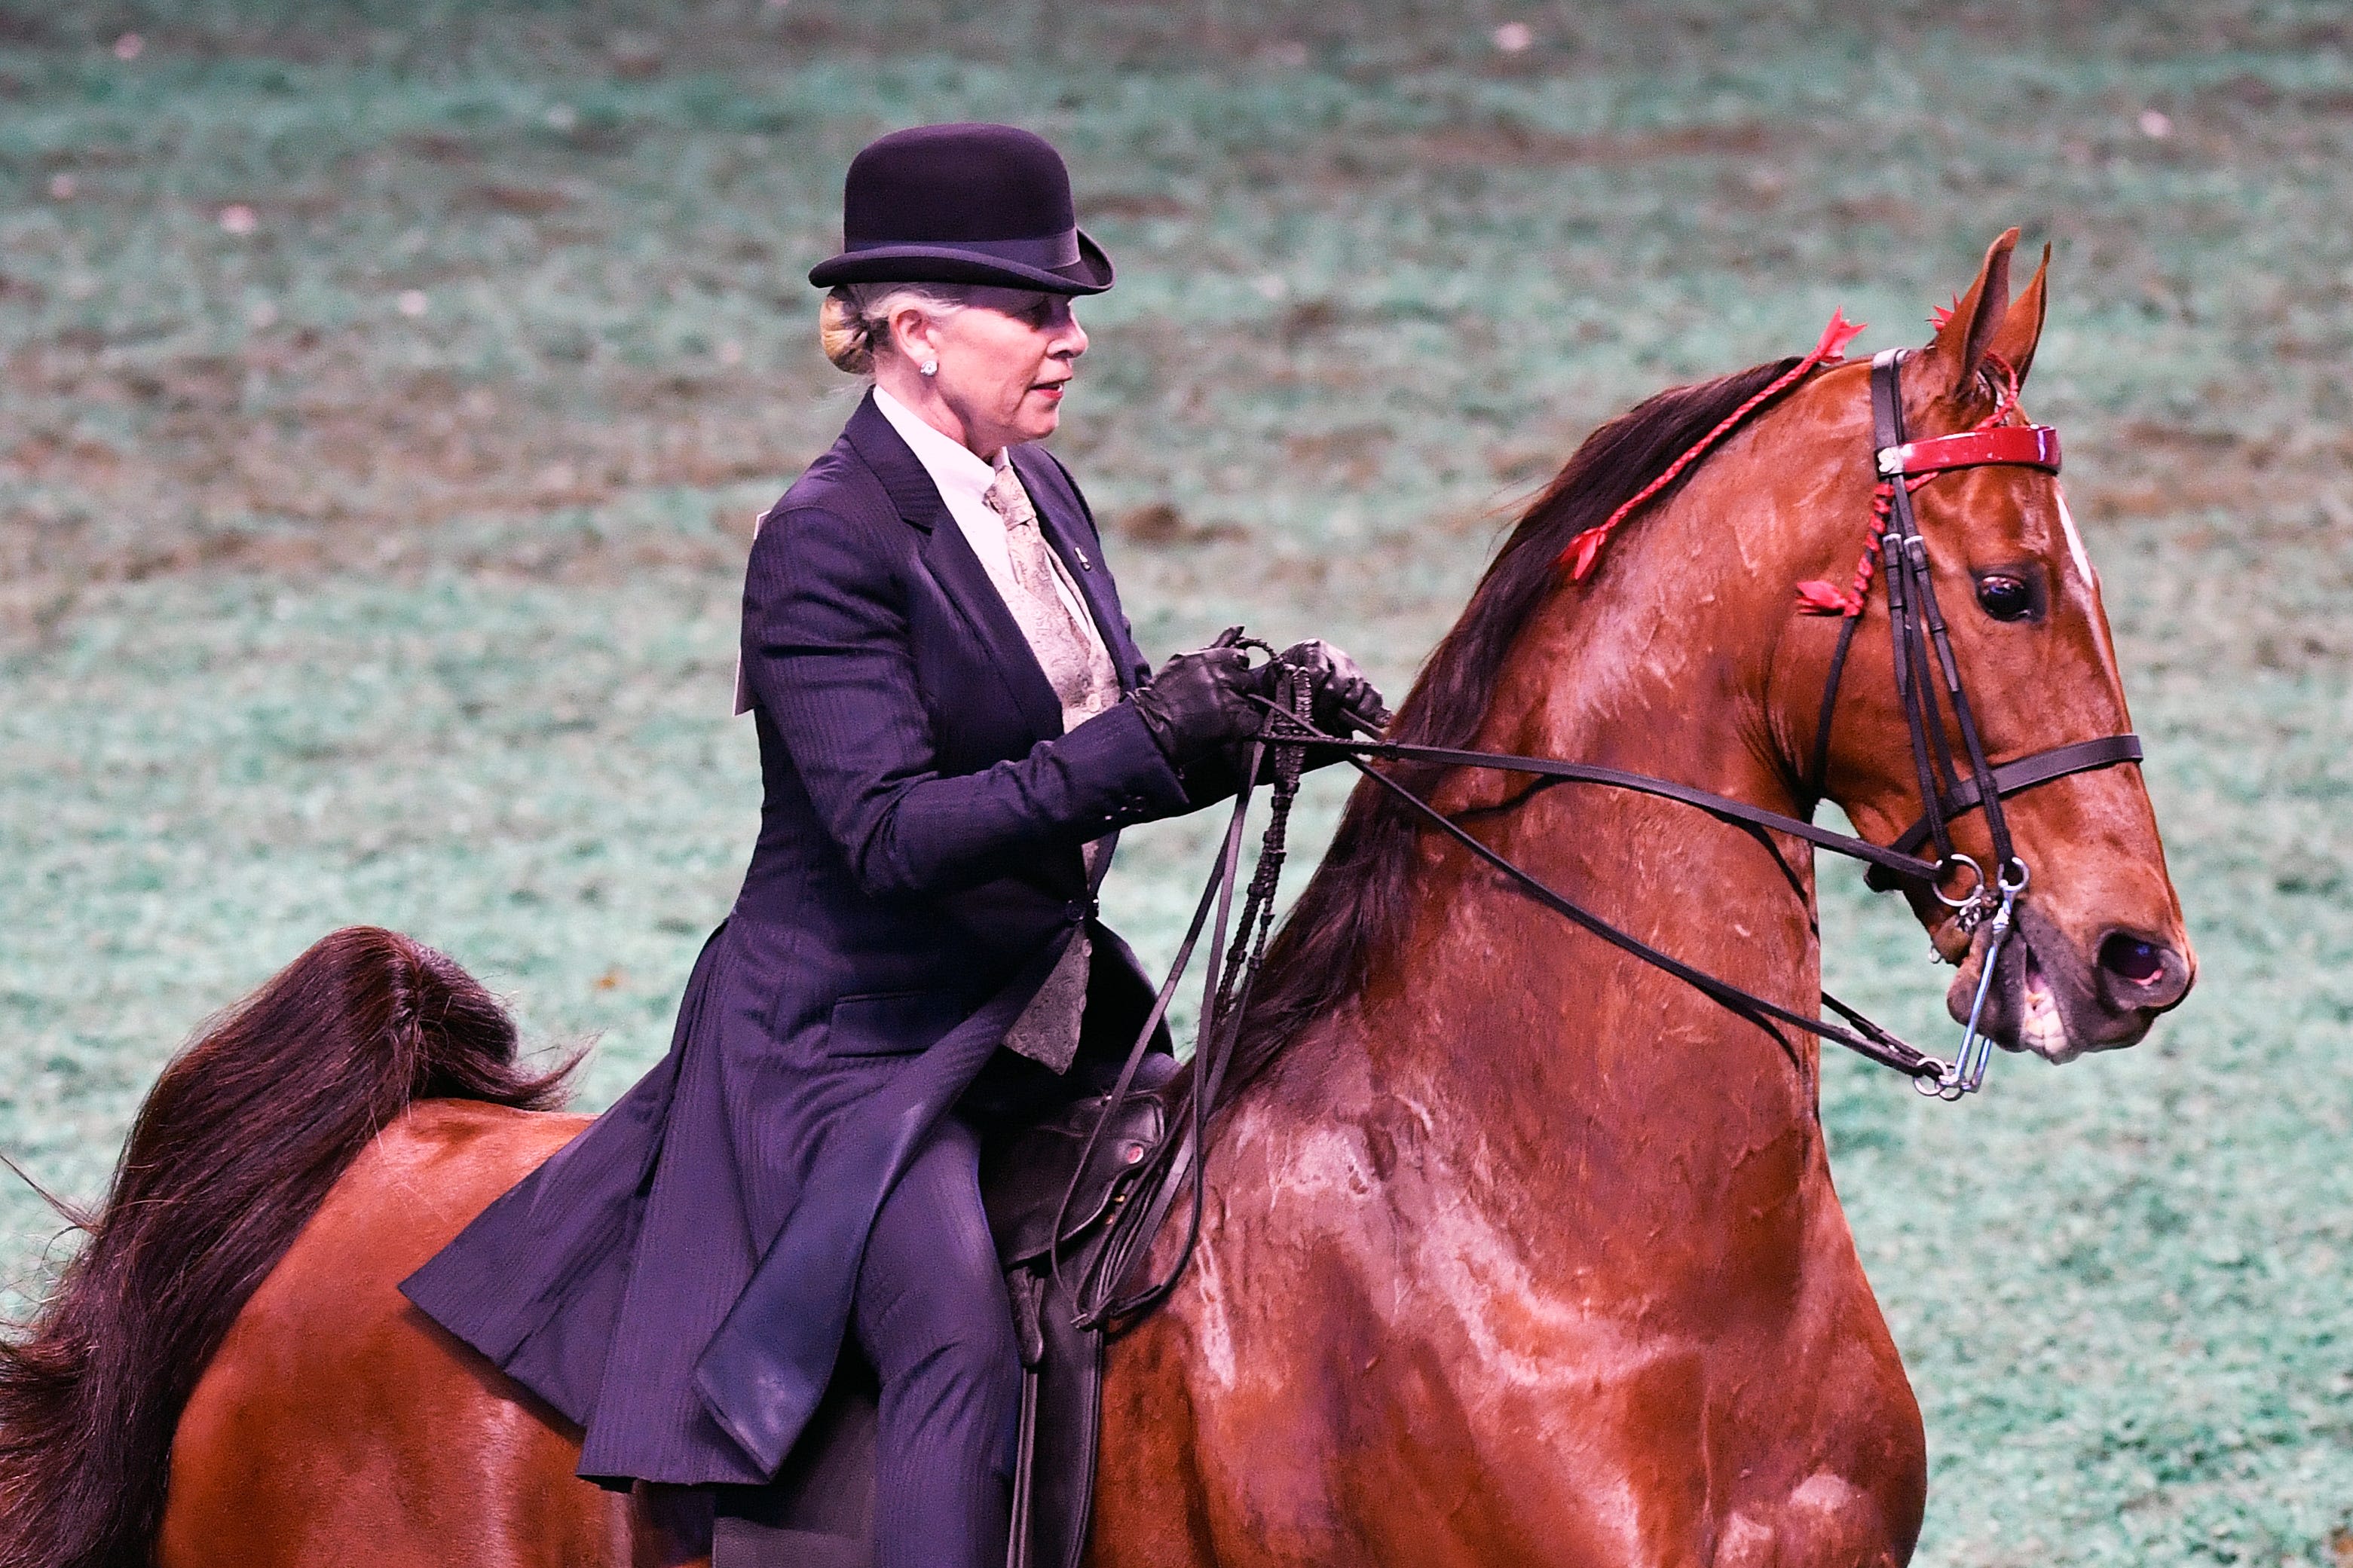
[(948, 556)]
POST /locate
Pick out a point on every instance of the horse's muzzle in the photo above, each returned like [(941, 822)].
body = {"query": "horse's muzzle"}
[(2060, 1005)]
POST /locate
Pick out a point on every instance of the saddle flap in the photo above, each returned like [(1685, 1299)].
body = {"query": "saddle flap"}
[(1066, 1395), (1024, 1176)]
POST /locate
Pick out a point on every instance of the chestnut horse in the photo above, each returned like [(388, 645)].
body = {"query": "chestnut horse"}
[(1516, 1250)]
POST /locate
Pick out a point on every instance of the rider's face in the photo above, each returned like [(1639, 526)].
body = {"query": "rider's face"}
[(1003, 360)]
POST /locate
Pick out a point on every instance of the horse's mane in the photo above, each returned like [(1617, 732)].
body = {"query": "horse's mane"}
[(232, 1152), (1352, 912)]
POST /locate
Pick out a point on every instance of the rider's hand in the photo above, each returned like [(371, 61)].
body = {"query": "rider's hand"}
[(1198, 702), (1346, 702)]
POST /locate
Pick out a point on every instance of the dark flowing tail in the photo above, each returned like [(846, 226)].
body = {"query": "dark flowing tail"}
[(232, 1152)]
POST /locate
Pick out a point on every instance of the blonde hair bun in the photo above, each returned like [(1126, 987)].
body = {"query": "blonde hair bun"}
[(855, 317), (845, 334)]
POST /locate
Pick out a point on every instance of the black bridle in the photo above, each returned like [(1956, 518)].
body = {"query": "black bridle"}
[(1924, 663)]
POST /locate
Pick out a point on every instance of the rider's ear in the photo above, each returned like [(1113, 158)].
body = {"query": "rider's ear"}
[(2020, 329), (1961, 342)]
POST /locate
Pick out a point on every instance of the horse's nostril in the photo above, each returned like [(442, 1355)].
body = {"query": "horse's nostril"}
[(2139, 962)]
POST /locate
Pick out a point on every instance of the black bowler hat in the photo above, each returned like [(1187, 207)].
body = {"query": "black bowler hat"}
[(962, 204)]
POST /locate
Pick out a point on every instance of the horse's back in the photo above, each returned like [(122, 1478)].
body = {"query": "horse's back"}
[(338, 1424)]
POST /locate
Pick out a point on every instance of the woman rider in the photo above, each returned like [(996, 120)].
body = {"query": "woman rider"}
[(954, 723)]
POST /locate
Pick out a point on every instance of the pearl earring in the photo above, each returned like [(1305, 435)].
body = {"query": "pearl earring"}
[(930, 367)]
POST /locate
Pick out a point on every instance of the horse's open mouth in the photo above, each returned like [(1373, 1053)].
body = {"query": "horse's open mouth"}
[(2023, 1012), (2041, 1029), (2043, 1003)]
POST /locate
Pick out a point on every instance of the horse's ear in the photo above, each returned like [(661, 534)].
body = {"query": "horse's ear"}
[(2020, 329), (1961, 342)]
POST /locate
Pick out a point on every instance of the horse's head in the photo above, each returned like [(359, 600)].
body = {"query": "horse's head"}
[(2100, 950)]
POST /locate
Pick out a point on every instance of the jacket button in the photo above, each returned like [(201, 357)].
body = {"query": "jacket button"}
[(1076, 909)]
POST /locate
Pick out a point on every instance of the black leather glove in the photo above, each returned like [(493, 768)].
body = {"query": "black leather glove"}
[(1198, 702), (1345, 702), (1341, 701)]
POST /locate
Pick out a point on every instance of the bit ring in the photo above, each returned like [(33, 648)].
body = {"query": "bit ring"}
[(1977, 889)]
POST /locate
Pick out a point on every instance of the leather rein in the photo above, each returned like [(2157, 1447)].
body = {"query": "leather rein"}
[(1924, 665)]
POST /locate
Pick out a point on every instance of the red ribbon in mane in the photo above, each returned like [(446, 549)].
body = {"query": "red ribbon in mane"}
[(1585, 549)]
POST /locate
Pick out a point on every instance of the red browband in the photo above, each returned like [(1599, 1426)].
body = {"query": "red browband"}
[(1911, 465), (2032, 445)]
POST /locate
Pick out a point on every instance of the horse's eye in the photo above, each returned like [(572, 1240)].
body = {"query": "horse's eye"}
[(2005, 598)]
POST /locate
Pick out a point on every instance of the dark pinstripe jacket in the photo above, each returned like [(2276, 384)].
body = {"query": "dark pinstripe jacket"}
[(678, 1278), (924, 810)]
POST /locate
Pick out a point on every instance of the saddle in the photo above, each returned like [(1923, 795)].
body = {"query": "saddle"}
[(820, 1510)]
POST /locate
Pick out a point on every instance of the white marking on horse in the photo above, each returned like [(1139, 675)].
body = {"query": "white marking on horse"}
[(1529, 1334), (1323, 1162), (1825, 1492), (2074, 540), (1825, 1511)]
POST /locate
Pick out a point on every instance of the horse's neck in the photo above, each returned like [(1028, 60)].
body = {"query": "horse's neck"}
[(1533, 1035)]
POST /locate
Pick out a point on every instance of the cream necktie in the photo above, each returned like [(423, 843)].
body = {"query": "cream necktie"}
[(1085, 682), (1076, 664)]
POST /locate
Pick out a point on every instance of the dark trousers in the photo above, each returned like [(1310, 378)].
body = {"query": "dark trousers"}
[(932, 1316)]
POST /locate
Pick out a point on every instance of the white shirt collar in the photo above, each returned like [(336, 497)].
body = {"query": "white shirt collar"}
[(957, 471)]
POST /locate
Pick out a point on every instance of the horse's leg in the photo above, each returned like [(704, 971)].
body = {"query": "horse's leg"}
[(1227, 1415), (337, 1424), (1845, 1481), (1342, 1442), (1149, 1511), (1288, 1423)]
